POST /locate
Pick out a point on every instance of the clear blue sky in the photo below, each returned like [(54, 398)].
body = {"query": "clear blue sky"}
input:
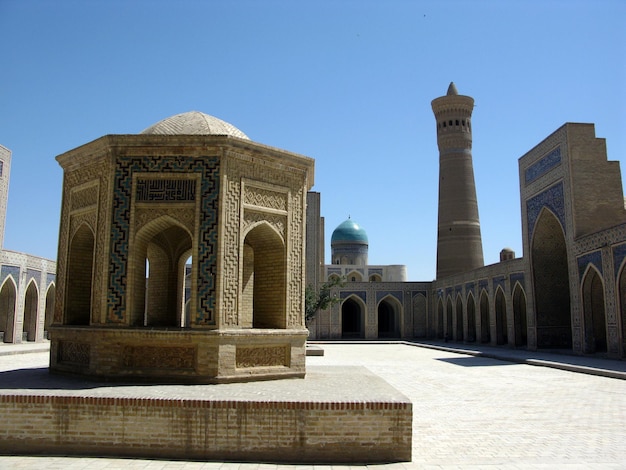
[(348, 83)]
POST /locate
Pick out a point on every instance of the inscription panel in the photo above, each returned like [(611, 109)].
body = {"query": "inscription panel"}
[(153, 357), (158, 190), (262, 356), (73, 353)]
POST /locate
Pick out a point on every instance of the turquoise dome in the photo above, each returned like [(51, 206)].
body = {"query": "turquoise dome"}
[(349, 232)]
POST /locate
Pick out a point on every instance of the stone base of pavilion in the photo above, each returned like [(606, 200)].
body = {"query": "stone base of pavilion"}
[(177, 355), (333, 415)]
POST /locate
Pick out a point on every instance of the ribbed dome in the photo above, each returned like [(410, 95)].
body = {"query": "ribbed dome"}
[(349, 232), (194, 123)]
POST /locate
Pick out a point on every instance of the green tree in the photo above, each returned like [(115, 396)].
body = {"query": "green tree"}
[(314, 301)]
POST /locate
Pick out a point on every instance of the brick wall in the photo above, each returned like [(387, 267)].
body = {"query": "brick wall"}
[(221, 430)]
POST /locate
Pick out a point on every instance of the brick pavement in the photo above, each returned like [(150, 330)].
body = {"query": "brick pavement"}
[(469, 412)]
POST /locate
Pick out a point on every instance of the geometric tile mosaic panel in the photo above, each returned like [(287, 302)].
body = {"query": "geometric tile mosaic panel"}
[(594, 258), (120, 229), (542, 166), (552, 198)]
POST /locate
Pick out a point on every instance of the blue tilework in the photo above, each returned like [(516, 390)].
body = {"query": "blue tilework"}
[(517, 277), (458, 290), (619, 253), (449, 292), (469, 287), (499, 281), (33, 274), (552, 198), (13, 271), (419, 292), (360, 294), (483, 284), (542, 166), (384, 293), (120, 228), (594, 258), (50, 278)]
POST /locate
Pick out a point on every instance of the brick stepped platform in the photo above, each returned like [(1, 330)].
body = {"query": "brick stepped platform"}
[(335, 414)]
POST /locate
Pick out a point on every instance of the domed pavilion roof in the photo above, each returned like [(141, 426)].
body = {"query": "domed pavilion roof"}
[(194, 123), (349, 231)]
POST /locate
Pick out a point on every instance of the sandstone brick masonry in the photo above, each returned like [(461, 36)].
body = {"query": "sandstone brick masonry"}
[(217, 429)]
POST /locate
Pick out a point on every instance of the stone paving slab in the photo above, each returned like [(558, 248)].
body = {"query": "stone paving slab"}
[(470, 412)]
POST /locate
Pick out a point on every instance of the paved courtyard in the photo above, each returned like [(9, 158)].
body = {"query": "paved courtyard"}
[(469, 413)]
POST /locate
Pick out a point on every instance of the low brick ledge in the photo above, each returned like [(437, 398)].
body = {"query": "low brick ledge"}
[(224, 430), (191, 403)]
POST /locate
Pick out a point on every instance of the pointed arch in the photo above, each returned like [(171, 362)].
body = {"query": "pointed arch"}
[(520, 320), (264, 283), (471, 318), (389, 317), (352, 318), (440, 322), (594, 313), (49, 308), (375, 278), (8, 296), (485, 329), (334, 278), (621, 290), (551, 282), (449, 324), (354, 276), (458, 333), (419, 316), (79, 282), (159, 254), (31, 309), (501, 315)]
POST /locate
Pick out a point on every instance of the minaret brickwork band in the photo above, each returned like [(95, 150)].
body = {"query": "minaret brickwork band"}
[(459, 244)]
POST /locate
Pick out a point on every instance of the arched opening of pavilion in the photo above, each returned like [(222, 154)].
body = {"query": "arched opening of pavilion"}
[(264, 287), (161, 250)]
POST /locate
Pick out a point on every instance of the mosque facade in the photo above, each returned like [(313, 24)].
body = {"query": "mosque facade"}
[(568, 290), (27, 282)]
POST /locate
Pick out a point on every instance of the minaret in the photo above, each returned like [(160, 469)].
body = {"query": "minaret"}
[(459, 244), (5, 170)]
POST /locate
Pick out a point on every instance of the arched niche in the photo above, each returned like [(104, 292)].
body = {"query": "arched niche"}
[(551, 283), (519, 316), (440, 320), (31, 308), (352, 318), (501, 315), (389, 317), (78, 290), (459, 319), (8, 297), (471, 318), (485, 329), (594, 313)]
